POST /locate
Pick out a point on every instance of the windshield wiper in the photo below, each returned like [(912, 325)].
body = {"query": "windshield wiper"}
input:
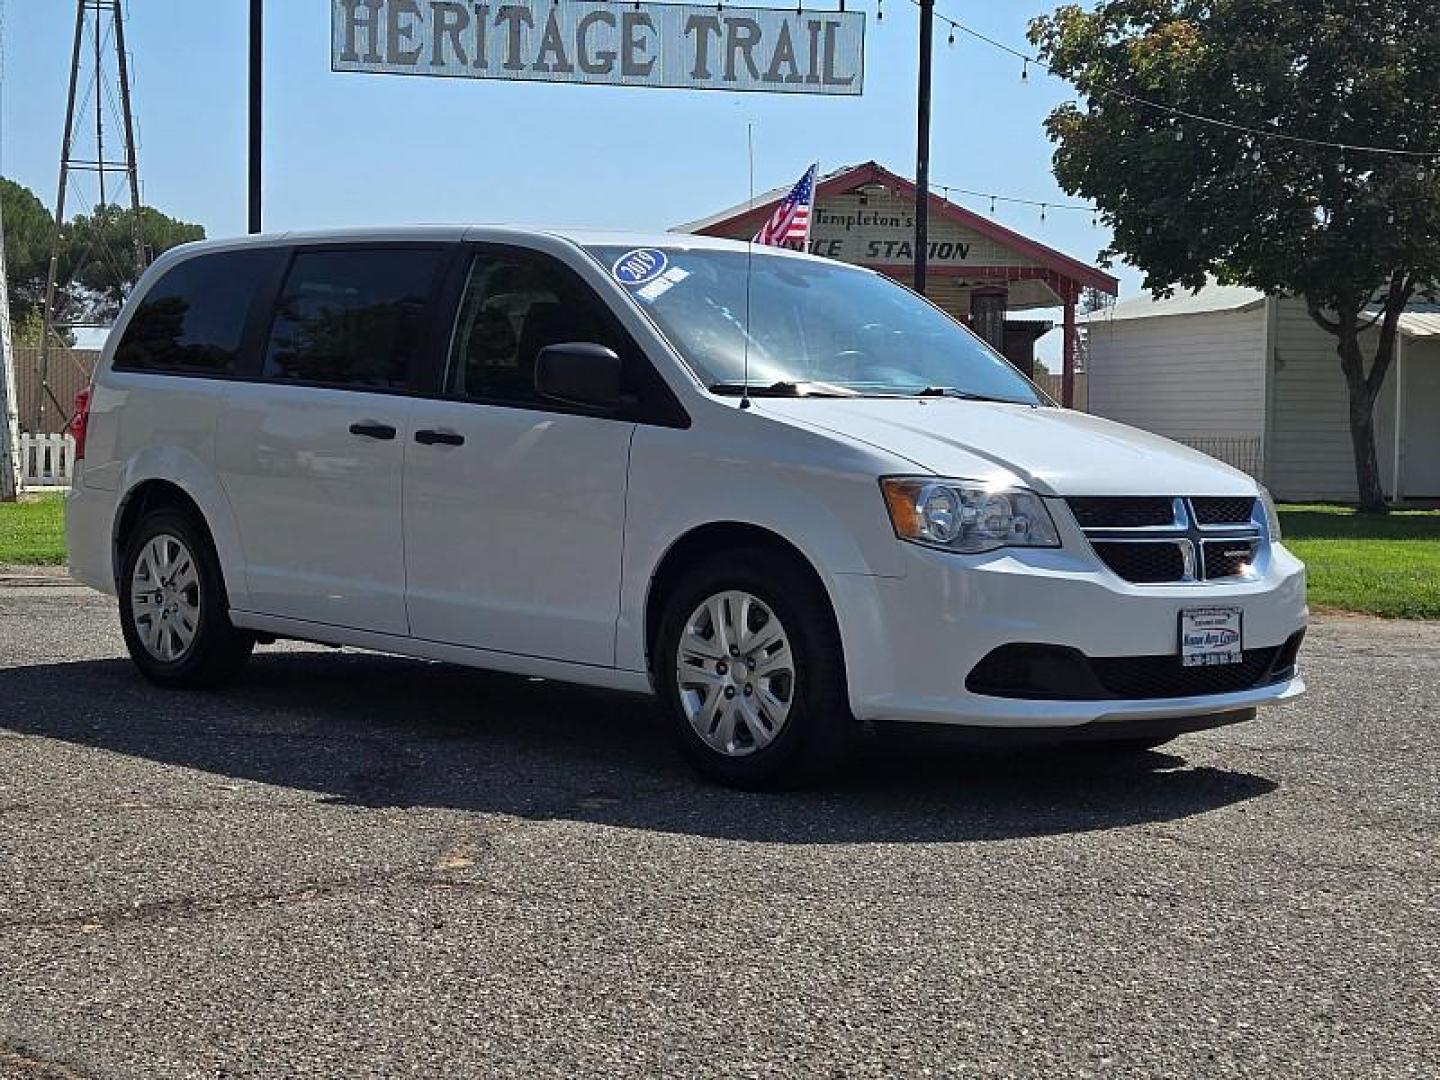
[(964, 395), (785, 388)]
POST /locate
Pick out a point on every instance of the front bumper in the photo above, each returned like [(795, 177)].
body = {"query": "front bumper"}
[(911, 641)]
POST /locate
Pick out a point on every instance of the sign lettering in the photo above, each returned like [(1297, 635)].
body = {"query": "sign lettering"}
[(699, 47)]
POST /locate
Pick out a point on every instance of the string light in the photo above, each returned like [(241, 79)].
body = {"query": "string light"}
[(1079, 208), (1198, 118)]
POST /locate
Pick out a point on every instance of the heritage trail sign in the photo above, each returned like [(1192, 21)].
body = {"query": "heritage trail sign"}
[(698, 47)]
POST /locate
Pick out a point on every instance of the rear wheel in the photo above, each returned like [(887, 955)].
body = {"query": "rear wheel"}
[(174, 612), (750, 666)]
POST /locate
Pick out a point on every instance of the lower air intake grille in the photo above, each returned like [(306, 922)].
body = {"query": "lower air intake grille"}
[(1053, 672)]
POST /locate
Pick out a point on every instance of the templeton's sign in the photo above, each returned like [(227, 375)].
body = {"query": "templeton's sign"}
[(702, 47)]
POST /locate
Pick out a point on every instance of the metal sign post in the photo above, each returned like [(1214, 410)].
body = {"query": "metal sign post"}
[(922, 145), (257, 100)]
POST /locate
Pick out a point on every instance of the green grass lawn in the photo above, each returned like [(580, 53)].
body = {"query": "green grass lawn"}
[(32, 532), (1378, 564), (1385, 565)]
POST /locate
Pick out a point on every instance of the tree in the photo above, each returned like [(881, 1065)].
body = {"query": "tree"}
[(98, 262), (97, 267), (1355, 233), (28, 227)]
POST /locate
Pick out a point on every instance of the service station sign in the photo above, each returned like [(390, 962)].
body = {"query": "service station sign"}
[(698, 47)]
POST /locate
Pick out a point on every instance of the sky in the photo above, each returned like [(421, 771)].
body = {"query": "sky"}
[(347, 149)]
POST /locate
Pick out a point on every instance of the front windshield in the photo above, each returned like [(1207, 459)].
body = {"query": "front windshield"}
[(823, 325)]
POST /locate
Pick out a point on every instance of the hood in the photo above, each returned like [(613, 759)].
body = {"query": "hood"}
[(1052, 451)]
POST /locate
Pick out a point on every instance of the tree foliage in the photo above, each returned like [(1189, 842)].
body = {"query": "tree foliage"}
[(98, 264), (1355, 233)]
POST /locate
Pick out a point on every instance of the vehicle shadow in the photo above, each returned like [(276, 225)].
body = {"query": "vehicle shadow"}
[(379, 731)]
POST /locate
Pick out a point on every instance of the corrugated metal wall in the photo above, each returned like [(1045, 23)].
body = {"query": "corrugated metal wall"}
[(70, 371)]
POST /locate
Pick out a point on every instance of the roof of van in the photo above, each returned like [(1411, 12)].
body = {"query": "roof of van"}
[(495, 233)]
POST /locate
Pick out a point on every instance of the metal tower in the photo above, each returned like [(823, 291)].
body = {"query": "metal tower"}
[(99, 84)]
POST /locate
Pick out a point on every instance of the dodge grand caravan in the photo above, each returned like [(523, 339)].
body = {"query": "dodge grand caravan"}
[(783, 494)]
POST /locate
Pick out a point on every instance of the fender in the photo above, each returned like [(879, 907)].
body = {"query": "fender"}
[(183, 468), (810, 490)]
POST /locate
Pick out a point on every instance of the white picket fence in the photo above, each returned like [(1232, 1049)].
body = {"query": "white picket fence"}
[(46, 461)]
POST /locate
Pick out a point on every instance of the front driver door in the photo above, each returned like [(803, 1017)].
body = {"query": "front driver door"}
[(515, 506)]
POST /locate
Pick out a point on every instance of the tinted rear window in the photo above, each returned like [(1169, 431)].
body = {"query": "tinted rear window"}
[(353, 317), (193, 319)]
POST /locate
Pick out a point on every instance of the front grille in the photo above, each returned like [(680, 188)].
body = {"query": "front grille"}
[(1140, 512), (1056, 673), (1223, 511), (1158, 540), (1145, 563), (1229, 558)]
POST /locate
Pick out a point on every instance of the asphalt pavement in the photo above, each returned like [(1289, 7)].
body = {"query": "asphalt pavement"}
[(354, 865)]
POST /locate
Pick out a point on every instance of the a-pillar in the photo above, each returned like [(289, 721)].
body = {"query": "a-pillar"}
[(1072, 347)]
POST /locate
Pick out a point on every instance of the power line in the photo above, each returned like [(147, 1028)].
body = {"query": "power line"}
[(1172, 110)]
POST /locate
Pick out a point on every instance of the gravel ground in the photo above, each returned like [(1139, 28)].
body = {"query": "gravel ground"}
[(358, 865)]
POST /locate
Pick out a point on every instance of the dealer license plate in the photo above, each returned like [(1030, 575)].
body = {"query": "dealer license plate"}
[(1211, 636)]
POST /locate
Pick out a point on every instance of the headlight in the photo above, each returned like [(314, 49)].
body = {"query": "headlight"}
[(963, 516), (1272, 519)]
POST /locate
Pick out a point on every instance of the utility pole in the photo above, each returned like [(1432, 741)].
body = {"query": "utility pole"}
[(922, 145), (257, 102), (9, 408), (98, 13)]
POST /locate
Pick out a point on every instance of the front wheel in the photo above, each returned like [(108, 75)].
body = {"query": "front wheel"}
[(174, 612), (750, 666)]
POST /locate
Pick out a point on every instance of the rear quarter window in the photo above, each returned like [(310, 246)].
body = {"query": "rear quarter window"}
[(192, 321)]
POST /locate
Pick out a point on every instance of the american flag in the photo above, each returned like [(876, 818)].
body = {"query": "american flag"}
[(791, 220)]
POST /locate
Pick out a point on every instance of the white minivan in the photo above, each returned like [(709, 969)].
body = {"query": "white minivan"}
[(786, 495)]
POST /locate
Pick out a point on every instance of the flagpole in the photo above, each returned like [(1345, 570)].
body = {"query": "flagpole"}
[(922, 145)]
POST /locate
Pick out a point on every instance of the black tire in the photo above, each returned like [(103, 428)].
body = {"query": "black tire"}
[(819, 730), (218, 650)]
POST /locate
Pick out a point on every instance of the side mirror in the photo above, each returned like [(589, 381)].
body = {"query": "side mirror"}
[(579, 373)]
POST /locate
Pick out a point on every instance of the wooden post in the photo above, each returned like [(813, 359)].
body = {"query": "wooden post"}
[(1072, 345)]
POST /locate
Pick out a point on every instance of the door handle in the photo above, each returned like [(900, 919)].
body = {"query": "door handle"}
[(439, 438), (371, 430)]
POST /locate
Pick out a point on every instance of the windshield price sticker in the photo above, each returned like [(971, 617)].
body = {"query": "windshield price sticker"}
[(661, 285), (1211, 636)]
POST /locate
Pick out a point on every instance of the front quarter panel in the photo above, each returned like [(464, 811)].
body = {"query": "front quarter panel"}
[(738, 466)]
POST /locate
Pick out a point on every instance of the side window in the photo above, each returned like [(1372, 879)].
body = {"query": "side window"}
[(352, 317), (514, 305), (192, 320)]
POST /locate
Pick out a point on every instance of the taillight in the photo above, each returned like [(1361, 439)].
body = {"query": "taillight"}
[(79, 422)]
